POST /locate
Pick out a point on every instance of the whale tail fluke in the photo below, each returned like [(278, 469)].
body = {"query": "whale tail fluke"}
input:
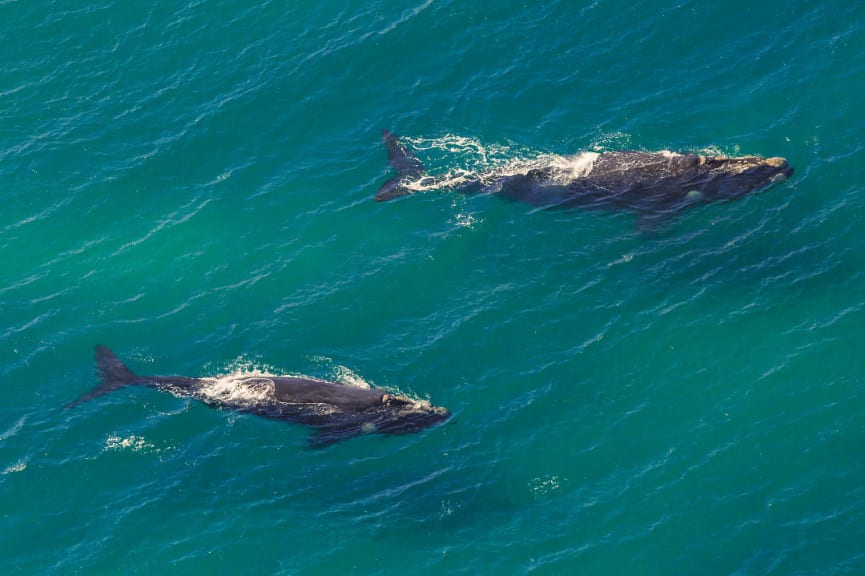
[(113, 373), (408, 168)]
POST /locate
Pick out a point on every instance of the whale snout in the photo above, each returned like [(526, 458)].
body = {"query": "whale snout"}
[(405, 415), (444, 413), (781, 167), (435, 413)]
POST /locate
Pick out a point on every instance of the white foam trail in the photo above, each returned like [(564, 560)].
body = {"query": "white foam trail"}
[(470, 153), (563, 169), (14, 429), (487, 164)]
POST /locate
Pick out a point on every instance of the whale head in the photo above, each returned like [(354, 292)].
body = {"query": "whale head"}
[(731, 178), (402, 415)]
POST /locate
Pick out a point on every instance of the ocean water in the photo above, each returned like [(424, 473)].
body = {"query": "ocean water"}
[(191, 183)]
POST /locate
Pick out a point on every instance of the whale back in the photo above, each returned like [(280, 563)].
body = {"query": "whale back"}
[(310, 391)]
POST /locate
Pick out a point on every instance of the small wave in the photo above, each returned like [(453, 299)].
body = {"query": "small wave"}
[(408, 15), (42, 215), (191, 209)]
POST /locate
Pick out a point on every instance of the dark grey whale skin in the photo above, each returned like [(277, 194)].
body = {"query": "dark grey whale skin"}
[(653, 184), (336, 411)]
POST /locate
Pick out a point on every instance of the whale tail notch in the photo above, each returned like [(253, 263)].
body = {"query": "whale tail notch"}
[(113, 374), (408, 168)]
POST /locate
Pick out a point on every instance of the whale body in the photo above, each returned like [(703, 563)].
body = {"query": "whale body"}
[(336, 411), (652, 184)]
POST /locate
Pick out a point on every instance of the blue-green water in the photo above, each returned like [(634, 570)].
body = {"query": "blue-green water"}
[(191, 184)]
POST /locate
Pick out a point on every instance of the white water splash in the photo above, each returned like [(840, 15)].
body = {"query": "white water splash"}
[(242, 367), (242, 389), (568, 168), (464, 220), (132, 443), (541, 487), (19, 466), (339, 373), (612, 141), (345, 375)]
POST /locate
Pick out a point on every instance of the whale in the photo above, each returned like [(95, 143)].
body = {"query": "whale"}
[(655, 185), (334, 410)]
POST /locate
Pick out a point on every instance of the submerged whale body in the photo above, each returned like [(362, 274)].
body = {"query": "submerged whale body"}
[(653, 184), (337, 411)]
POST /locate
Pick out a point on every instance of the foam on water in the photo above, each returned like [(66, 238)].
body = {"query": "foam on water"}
[(471, 161)]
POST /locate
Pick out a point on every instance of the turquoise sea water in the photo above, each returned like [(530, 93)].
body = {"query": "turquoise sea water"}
[(190, 183)]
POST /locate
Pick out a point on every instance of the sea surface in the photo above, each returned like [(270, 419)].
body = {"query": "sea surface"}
[(191, 184)]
